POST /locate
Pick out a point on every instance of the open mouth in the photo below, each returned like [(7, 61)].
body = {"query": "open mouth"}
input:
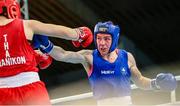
[(103, 49)]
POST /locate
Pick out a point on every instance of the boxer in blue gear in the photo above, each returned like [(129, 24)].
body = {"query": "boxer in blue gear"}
[(112, 77), (110, 69)]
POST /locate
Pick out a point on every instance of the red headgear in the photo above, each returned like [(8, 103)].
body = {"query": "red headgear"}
[(12, 8)]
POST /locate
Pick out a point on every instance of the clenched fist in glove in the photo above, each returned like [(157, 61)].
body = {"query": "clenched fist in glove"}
[(85, 37), (43, 60), (164, 82), (42, 42)]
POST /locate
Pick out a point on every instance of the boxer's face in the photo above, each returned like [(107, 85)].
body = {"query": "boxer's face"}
[(104, 42)]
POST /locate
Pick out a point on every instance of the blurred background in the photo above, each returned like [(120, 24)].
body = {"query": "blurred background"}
[(150, 30)]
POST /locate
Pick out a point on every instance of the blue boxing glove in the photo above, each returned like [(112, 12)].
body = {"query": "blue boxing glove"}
[(164, 82), (35, 42), (42, 42)]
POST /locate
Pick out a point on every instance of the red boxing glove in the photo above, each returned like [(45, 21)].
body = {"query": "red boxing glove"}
[(85, 37), (76, 43), (43, 60)]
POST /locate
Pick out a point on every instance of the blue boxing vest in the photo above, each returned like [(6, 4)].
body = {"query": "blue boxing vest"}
[(110, 79)]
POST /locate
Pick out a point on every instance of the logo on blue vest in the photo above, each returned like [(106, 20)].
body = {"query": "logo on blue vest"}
[(123, 71), (107, 72)]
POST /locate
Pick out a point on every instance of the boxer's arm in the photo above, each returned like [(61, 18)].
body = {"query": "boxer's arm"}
[(81, 34), (163, 81), (52, 30), (84, 57), (60, 54), (136, 76)]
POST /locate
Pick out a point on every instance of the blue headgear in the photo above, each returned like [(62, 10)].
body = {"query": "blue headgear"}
[(108, 28)]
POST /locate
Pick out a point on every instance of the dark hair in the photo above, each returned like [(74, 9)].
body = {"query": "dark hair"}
[(4, 13)]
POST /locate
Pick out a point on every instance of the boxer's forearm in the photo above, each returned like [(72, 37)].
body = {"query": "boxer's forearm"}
[(60, 54), (52, 30)]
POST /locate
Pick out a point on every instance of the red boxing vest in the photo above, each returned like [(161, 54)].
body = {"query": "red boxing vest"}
[(16, 54)]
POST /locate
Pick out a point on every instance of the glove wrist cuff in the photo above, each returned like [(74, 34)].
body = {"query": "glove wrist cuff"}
[(48, 48), (80, 34), (154, 85)]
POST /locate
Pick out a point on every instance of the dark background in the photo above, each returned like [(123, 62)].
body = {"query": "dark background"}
[(152, 28)]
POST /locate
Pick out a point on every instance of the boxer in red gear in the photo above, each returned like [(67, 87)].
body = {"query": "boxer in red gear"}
[(19, 80)]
